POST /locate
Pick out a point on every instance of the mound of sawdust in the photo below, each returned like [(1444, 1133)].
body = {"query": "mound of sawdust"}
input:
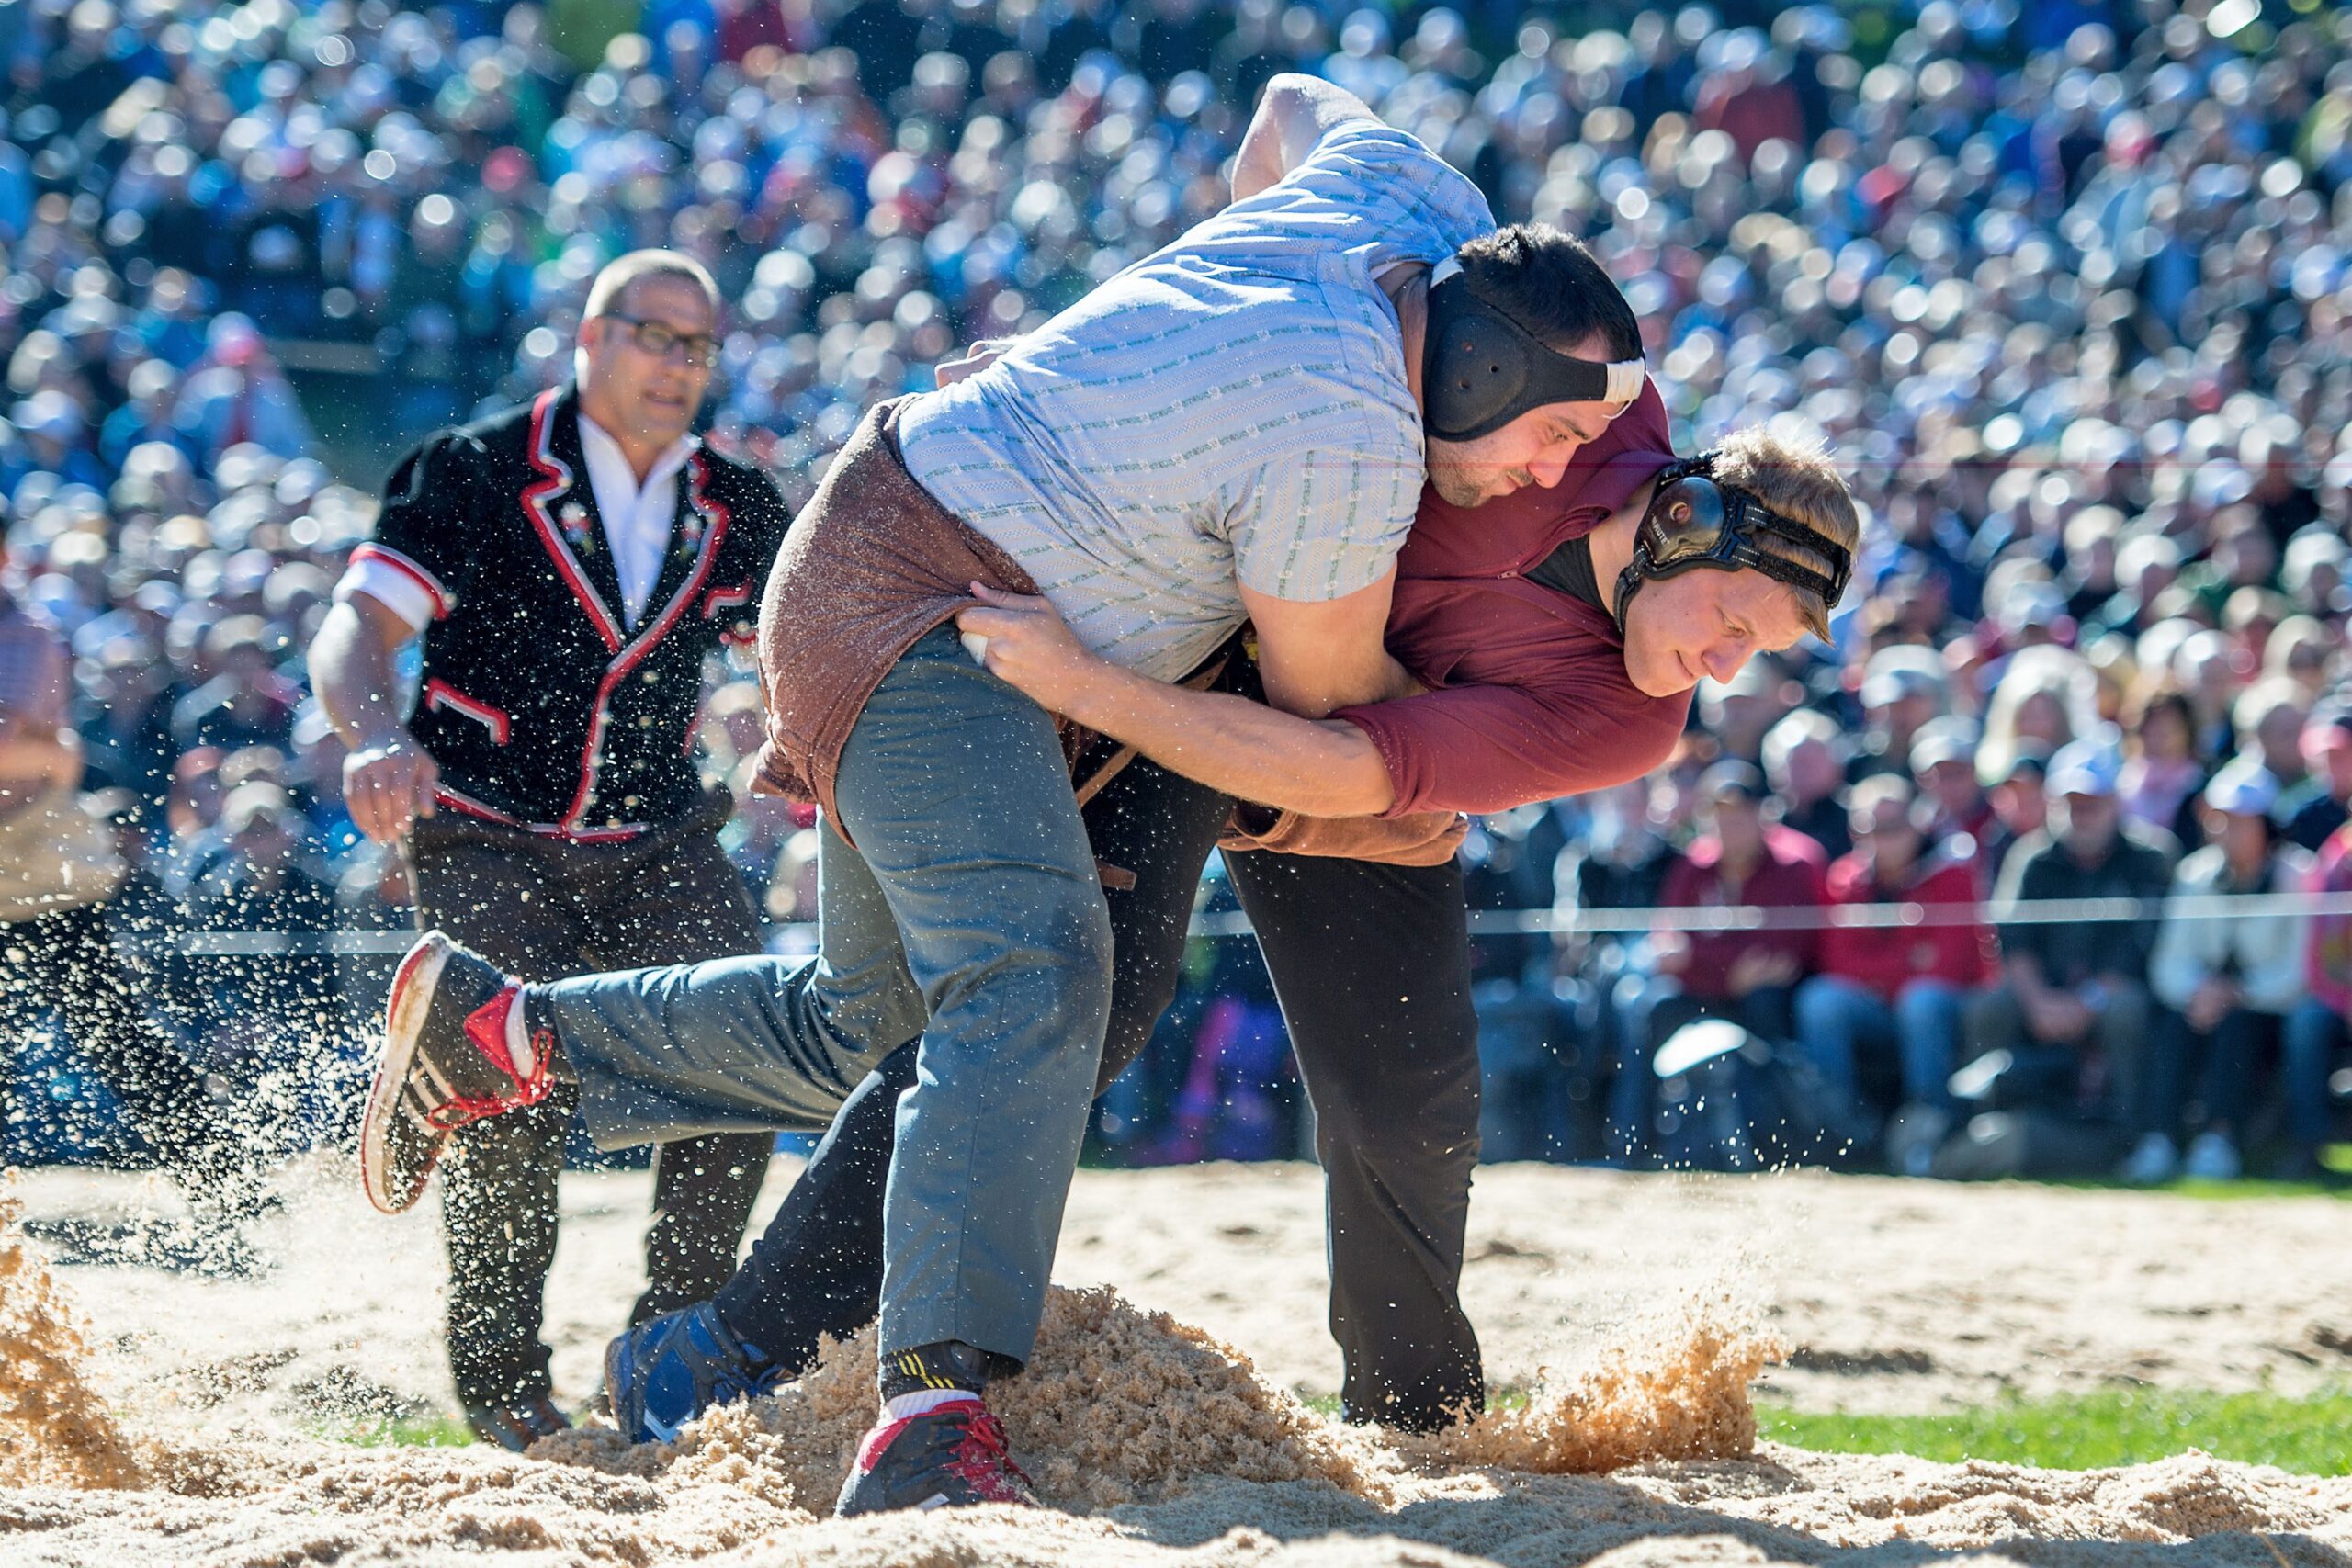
[(1121, 1406), (289, 1502), (1118, 1406), (54, 1430)]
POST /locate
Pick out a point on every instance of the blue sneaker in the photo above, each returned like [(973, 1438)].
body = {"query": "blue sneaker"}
[(668, 1369)]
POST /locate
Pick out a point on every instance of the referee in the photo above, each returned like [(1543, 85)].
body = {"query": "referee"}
[(569, 567)]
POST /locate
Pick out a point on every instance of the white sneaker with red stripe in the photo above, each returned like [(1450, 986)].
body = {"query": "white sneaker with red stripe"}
[(944, 1458), (455, 1051)]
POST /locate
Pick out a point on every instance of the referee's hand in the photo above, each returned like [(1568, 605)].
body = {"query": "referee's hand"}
[(388, 785)]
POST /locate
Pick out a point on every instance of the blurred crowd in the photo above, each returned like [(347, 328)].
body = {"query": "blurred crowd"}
[(2066, 286)]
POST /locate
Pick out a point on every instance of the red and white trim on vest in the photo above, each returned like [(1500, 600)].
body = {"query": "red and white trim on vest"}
[(719, 516), (466, 805), (439, 694), (719, 602), (443, 600), (556, 479)]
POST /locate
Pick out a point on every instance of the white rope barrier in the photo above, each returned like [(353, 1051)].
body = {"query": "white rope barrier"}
[(1910, 915), (1495, 923)]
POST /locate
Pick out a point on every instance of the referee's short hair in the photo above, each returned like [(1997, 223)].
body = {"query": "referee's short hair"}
[(614, 281)]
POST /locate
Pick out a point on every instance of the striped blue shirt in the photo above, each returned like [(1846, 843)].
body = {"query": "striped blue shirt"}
[(1232, 410)]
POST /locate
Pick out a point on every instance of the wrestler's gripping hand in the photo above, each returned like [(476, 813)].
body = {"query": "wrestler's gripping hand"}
[(387, 786), (1029, 647), (972, 361)]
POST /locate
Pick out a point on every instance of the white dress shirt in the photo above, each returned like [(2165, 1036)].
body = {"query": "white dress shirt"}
[(638, 518)]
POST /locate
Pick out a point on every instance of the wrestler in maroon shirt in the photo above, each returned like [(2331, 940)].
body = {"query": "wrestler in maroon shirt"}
[(1532, 691), (1508, 616)]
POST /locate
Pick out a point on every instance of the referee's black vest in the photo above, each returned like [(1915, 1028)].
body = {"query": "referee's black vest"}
[(542, 708)]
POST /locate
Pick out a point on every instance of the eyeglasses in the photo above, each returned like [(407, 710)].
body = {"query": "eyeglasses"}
[(658, 339)]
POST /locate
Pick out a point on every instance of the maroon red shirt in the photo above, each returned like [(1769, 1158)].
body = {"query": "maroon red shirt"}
[(1886, 961), (1790, 877), (1530, 698)]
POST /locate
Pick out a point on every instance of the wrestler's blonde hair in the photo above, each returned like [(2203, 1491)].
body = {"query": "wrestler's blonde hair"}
[(1795, 479)]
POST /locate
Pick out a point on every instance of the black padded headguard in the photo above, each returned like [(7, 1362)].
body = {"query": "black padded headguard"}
[(1693, 521), (1481, 369)]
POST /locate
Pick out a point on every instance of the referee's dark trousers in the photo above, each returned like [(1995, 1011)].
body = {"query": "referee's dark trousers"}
[(542, 908)]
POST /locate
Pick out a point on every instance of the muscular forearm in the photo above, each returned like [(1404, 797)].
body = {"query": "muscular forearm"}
[(1381, 680), (351, 671), (1317, 767)]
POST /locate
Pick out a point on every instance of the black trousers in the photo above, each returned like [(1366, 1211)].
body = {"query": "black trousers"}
[(2222, 1064), (63, 963), (1372, 966), (543, 908)]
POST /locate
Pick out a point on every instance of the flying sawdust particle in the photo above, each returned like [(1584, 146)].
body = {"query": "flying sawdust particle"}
[(54, 1428), (1677, 1390)]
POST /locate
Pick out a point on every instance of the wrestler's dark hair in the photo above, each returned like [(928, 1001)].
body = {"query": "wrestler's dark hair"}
[(1549, 283)]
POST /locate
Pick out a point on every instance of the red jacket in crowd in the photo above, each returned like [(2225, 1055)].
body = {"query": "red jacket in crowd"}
[(1885, 960), (1790, 878)]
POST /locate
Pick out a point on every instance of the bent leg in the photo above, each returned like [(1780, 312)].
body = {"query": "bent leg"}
[(817, 1269), (1927, 1026), (679, 902), (1372, 963), (2233, 1062), (2307, 1045), (1157, 827), (1834, 1017), (2163, 1105), (736, 1044), (2124, 1032)]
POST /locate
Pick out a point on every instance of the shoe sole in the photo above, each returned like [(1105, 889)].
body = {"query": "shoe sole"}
[(843, 1509), (404, 1012)]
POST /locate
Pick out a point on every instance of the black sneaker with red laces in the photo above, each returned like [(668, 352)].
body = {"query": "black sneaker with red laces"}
[(942, 1458), (446, 1061)]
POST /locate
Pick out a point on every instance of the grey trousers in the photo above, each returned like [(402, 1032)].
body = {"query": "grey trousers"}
[(969, 914)]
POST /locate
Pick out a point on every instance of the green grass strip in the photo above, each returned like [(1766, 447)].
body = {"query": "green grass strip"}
[(432, 1431), (2335, 1182), (2096, 1431)]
